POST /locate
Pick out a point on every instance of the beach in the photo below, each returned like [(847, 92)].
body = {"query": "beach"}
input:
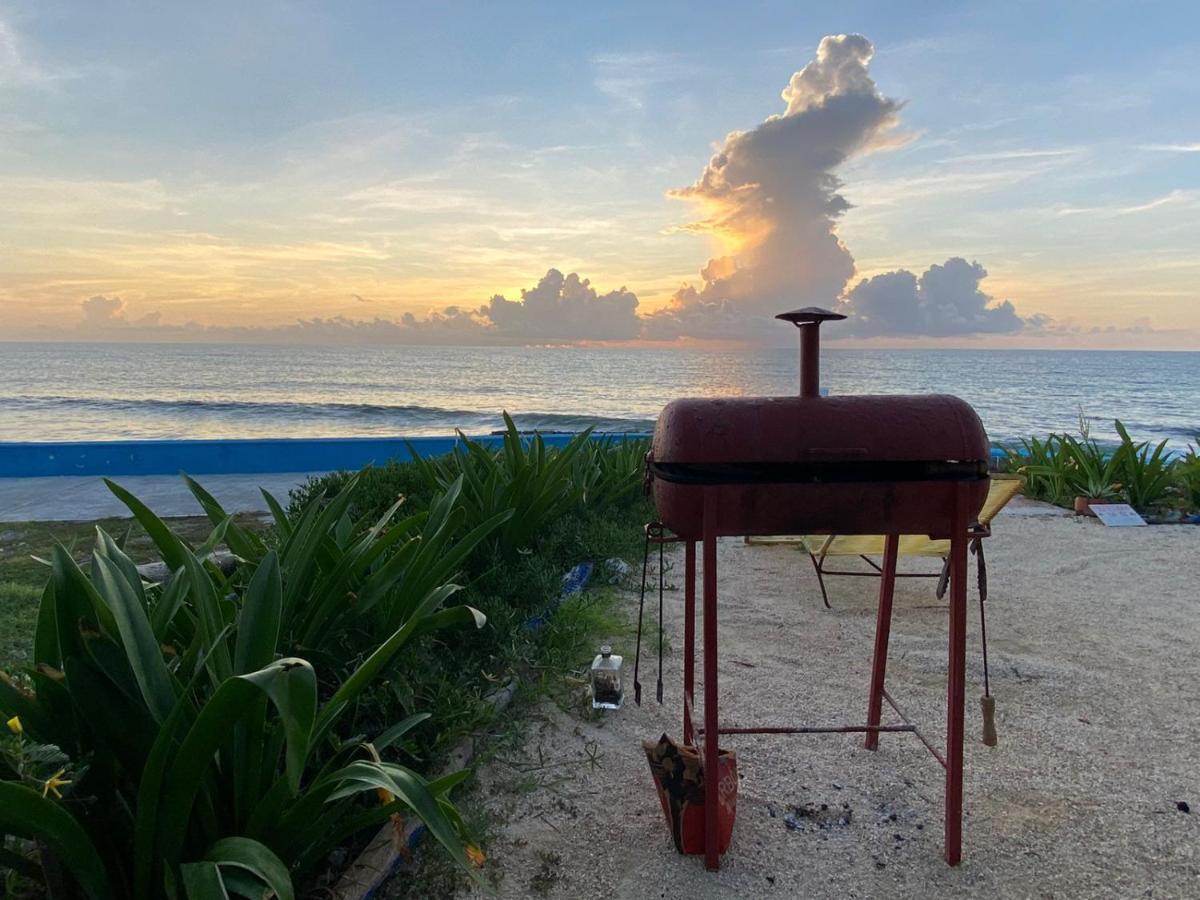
[(1092, 635), (356, 360)]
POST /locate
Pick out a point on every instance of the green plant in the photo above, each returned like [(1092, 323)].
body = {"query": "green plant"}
[(200, 760), (378, 488), (1045, 467), (608, 472), (523, 476), (18, 609), (1147, 474), (1090, 470), (347, 576), (1188, 467)]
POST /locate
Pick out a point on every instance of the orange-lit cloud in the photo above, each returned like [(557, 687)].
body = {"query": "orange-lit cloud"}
[(771, 195), (395, 223)]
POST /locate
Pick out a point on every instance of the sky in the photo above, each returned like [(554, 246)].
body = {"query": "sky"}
[(945, 174)]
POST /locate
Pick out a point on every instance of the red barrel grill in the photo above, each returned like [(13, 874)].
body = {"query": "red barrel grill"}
[(822, 465)]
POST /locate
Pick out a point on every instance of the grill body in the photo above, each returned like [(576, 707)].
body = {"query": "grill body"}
[(887, 465), (818, 465)]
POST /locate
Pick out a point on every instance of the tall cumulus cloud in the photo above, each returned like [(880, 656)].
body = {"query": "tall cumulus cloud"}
[(771, 195)]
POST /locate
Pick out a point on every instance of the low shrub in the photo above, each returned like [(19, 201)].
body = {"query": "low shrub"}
[(195, 755), (540, 484), (608, 473), (522, 475), (1145, 475), (378, 488), (1189, 476), (1078, 467), (1147, 472), (222, 733), (1044, 466)]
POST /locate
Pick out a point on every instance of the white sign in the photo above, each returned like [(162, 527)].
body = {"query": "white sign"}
[(1117, 515)]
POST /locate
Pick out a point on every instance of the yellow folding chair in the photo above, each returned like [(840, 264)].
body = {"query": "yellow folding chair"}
[(821, 547)]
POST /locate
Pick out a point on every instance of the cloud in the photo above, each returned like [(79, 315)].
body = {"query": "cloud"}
[(565, 308), (628, 77), (101, 310), (1172, 148), (772, 196), (1174, 198), (15, 68), (945, 300), (21, 70), (1005, 155), (558, 309), (424, 195)]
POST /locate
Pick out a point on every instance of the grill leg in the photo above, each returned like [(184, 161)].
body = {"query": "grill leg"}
[(820, 580), (956, 682), (689, 637), (712, 858), (883, 628)]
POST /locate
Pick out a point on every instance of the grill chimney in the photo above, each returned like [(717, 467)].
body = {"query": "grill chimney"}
[(809, 320)]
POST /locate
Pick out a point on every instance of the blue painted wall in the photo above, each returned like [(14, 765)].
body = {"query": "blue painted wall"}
[(224, 457), (230, 457)]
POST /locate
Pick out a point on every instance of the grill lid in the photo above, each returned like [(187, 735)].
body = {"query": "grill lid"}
[(824, 435)]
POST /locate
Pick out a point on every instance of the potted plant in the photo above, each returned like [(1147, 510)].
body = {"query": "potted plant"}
[(1091, 472)]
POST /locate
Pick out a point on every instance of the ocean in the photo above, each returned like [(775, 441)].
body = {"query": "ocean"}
[(63, 392)]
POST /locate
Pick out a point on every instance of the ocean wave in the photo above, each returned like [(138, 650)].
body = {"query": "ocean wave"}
[(291, 410), (1138, 430)]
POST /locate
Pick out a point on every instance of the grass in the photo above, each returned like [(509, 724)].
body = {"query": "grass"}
[(22, 577), (18, 609), (20, 541)]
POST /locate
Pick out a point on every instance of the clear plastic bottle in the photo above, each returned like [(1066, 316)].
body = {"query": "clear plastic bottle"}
[(606, 680)]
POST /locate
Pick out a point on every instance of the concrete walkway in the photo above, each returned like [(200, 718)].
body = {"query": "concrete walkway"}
[(83, 498)]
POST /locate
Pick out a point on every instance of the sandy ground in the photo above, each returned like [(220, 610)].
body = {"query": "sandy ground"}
[(1093, 648)]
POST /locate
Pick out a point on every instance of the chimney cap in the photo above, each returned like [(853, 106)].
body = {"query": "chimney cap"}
[(809, 314)]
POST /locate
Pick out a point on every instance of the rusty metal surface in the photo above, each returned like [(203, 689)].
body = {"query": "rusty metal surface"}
[(914, 508), (826, 429), (811, 465), (778, 431), (809, 320)]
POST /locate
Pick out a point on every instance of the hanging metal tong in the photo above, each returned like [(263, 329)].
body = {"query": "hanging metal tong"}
[(656, 533)]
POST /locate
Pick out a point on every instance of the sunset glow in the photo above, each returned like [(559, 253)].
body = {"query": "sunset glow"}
[(291, 171)]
